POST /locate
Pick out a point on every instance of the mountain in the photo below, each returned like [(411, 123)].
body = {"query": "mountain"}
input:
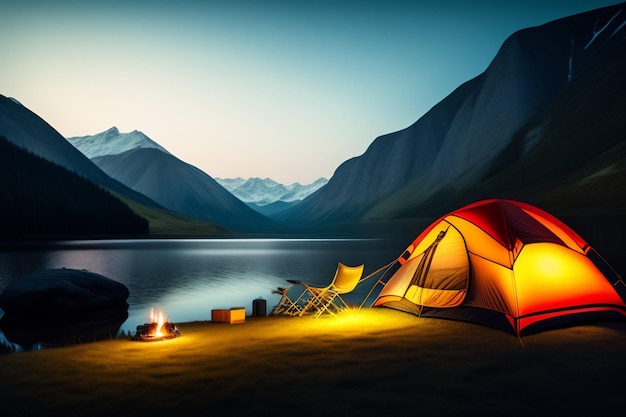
[(112, 142), (24, 129), (544, 123), (299, 192), (272, 210), (230, 183), (149, 169), (28, 131), (262, 192)]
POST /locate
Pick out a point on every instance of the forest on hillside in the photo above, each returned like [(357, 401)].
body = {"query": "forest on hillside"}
[(39, 198)]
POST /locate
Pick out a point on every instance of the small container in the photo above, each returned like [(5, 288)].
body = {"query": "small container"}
[(259, 307)]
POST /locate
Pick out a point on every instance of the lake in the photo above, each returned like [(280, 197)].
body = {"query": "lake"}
[(187, 278)]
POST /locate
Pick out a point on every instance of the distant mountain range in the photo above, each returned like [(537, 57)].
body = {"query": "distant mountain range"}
[(268, 196)]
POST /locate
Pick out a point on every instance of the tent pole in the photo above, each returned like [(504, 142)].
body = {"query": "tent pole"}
[(369, 293), (389, 265), (619, 277), (517, 332)]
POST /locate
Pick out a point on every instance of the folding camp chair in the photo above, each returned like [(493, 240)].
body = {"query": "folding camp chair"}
[(286, 305), (318, 301)]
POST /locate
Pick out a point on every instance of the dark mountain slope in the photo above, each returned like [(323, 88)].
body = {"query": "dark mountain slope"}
[(524, 107), (576, 140), (181, 187)]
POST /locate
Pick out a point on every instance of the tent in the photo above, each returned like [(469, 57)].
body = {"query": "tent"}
[(506, 264)]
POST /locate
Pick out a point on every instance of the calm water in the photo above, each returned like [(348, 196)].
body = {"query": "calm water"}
[(189, 278)]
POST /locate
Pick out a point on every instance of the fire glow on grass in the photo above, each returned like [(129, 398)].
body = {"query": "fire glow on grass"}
[(158, 328)]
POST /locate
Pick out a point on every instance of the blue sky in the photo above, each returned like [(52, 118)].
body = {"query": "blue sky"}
[(280, 89)]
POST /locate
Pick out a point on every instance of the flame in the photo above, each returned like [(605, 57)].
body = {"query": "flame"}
[(159, 317)]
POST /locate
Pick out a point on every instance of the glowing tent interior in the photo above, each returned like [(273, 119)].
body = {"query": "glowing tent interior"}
[(505, 264)]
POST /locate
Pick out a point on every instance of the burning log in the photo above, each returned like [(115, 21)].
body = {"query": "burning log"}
[(148, 332), (157, 329)]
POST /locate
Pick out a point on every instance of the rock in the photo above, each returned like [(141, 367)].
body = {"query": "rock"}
[(7, 346), (62, 306)]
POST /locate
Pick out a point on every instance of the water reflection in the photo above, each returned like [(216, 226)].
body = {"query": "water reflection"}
[(188, 278)]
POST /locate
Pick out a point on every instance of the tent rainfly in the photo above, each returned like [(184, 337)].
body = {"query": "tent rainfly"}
[(505, 264)]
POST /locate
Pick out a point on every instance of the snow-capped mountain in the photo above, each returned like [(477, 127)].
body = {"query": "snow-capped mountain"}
[(230, 183), (300, 192), (262, 192), (112, 142)]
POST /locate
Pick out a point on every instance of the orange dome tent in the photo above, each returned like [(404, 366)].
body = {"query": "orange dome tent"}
[(506, 264)]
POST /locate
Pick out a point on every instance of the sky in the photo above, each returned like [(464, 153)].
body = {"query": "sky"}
[(282, 89)]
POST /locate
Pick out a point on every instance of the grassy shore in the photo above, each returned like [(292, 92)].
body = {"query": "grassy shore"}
[(370, 362)]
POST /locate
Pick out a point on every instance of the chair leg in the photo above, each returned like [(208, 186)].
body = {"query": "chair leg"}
[(312, 304), (332, 306), (320, 301), (285, 306), (327, 304)]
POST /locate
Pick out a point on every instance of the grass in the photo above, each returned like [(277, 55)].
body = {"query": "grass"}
[(370, 362), (167, 223)]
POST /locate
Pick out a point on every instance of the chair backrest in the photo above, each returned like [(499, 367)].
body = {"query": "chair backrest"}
[(346, 278)]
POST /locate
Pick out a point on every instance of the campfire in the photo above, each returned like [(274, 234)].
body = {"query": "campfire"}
[(159, 328)]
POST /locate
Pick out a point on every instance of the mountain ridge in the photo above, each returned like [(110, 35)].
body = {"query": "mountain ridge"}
[(262, 192), (112, 142)]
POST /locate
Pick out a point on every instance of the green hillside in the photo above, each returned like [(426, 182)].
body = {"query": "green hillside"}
[(167, 223)]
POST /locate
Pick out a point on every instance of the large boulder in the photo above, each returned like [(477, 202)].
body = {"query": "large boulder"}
[(62, 306)]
